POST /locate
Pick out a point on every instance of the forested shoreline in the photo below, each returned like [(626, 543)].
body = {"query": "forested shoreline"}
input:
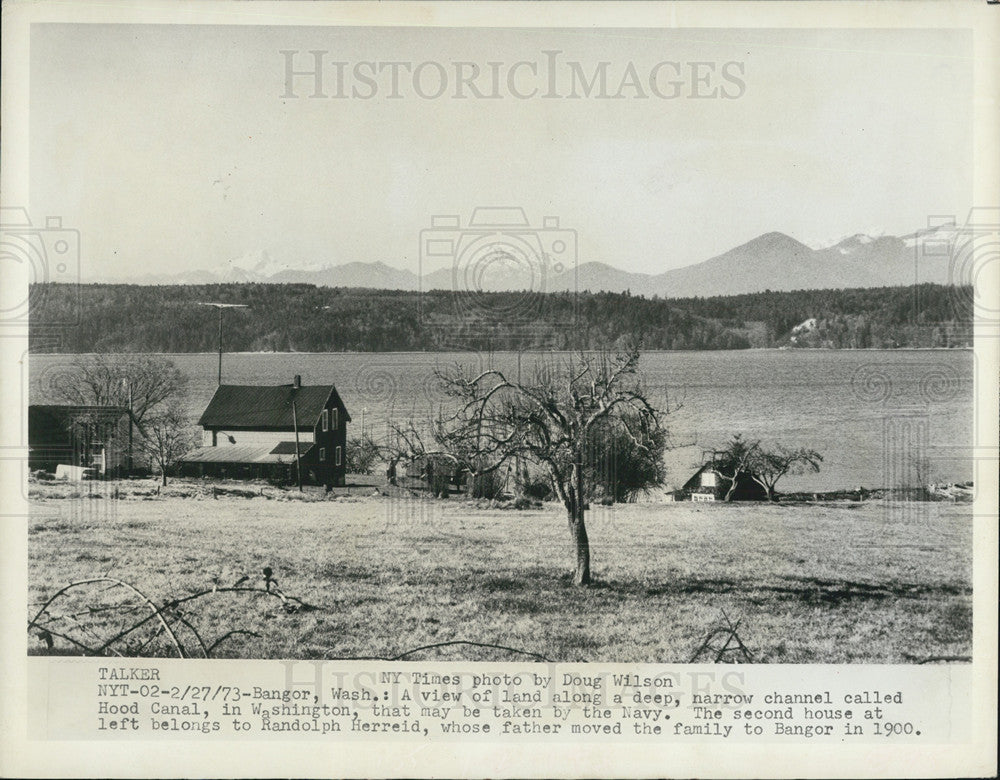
[(305, 318)]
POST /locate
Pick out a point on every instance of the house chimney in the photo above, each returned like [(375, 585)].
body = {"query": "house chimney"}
[(297, 382)]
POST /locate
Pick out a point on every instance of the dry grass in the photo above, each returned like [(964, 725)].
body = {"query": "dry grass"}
[(835, 583)]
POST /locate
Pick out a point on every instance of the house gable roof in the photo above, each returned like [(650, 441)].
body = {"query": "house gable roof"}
[(746, 487), (694, 482), (268, 408)]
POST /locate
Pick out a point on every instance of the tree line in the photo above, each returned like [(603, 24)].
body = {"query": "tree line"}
[(306, 318), (924, 315)]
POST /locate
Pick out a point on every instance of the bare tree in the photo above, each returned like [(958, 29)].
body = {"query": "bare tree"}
[(736, 462), (750, 460), (769, 466), (140, 383), (361, 454), (145, 385), (548, 421), (405, 443), (164, 436)]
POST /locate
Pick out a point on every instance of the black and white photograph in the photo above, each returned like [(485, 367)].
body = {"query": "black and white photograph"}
[(398, 336)]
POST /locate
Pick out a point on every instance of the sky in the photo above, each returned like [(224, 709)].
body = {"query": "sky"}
[(175, 148)]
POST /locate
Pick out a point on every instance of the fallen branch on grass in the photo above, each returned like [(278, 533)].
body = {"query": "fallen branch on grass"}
[(228, 634), (729, 630), (43, 624), (452, 643), (33, 623)]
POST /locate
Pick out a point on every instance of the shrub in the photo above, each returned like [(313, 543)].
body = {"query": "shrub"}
[(534, 487), (618, 469), (488, 484)]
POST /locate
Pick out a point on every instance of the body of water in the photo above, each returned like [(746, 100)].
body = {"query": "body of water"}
[(879, 418)]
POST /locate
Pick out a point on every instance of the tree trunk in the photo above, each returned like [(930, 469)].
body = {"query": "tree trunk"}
[(578, 528)]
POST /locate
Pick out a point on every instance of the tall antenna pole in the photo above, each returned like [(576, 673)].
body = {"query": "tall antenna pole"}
[(220, 345), (220, 307)]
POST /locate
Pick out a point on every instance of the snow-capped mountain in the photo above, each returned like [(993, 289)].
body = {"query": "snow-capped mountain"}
[(258, 266), (773, 261)]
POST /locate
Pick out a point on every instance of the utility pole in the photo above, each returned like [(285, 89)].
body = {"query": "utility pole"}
[(298, 458), (130, 430), (519, 482), (220, 307)]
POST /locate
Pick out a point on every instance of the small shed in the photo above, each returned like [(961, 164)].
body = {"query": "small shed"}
[(709, 484), (84, 437)]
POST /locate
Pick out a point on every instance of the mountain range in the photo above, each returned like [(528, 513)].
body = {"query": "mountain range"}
[(773, 261)]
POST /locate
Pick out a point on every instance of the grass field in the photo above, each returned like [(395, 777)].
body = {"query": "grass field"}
[(826, 583)]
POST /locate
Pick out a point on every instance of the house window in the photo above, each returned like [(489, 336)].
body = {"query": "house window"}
[(322, 453), (325, 418), (335, 413), (336, 456)]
